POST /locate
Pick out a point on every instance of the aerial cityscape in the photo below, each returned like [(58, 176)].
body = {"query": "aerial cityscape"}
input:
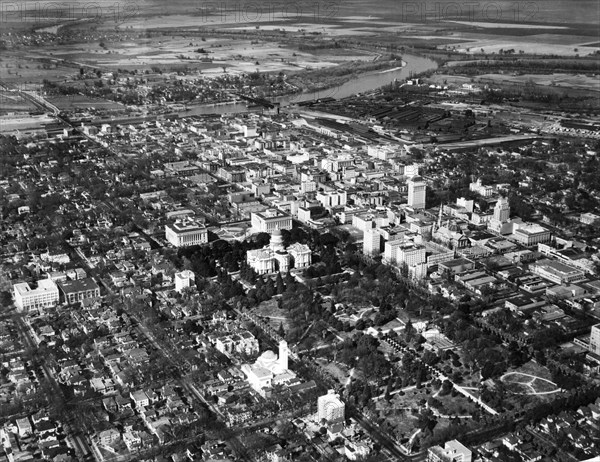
[(305, 230)]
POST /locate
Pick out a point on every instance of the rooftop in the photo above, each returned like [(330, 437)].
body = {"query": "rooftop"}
[(78, 285), (181, 226)]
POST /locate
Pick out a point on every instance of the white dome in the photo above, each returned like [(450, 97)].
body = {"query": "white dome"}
[(269, 356)]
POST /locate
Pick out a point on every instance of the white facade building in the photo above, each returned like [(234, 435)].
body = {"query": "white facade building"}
[(453, 451), (330, 407), (186, 232), (595, 339), (482, 190), (269, 369), (44, 296), (332, 198), (410, 254), (416, 192), (270, 220), (274, 257), (372, 242), (502, 210), (184, 280), (301, 254), (530, 234)]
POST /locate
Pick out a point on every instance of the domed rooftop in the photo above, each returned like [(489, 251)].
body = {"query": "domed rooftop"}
[(269, 356)]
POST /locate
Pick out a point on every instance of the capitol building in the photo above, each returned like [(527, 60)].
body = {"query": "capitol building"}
[(269, 370), (274, 257)]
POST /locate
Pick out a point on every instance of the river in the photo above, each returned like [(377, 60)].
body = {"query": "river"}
[(364, 83)]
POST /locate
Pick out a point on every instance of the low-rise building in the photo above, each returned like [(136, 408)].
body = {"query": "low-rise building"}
[(46, 295), (186, 232), (74, 291), (453, 451), (557, 272), (530, 234), (270, 220)]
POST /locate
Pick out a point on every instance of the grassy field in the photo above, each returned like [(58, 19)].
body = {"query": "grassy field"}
[(11, 102), (78, 102), (536, 369)]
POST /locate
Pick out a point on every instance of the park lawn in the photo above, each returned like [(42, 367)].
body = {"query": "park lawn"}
[(536, 369), (542, 386), (517, 388)]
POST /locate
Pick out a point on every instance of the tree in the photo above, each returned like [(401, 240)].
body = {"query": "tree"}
[(409, 331), (279, 285), (5, 298)]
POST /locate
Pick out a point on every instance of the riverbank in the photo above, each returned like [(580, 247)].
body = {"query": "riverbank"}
[(326, 78), (368, 81)]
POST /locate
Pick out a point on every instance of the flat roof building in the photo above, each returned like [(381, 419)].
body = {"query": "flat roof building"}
[(44, 296), (557, 272), (186, 232), (453, 451), (330, 407), (270, 220), (531, 234), (79, 290)]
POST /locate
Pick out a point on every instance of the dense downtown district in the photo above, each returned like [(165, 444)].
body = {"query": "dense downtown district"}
[(346, 235)]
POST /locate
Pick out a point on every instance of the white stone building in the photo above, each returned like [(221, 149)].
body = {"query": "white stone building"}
[(274, 257), (269, 369), (46, 295), (184, 280), (330, 407), (270, 220), (186, 232), (416, 192)]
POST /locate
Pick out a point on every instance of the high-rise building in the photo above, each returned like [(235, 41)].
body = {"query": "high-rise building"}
[(372, 242), (595, 339), (330, 407), (284, 353), (502, 210), (416, 192), (184, 280)]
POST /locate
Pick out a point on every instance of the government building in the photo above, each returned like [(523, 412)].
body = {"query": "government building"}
[(270, 220), (186, 232), (274, 257)]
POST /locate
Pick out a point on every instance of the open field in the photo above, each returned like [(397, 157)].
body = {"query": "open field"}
[(22, 68), (11, 102), (541, 44), (559, 80), (520, 384), (536, 369), (12, 123), (530, 379), (78, 102), (236, 56)]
